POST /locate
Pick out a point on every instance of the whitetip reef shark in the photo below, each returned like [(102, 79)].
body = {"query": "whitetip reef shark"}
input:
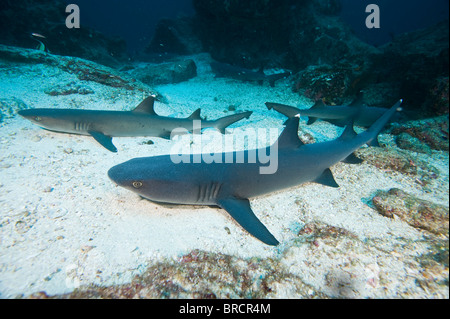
[(103, 125), (340, 115), (230, 186), (242, 74)]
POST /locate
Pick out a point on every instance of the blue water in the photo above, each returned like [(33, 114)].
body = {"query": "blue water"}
[(396, 17), (135, 20)]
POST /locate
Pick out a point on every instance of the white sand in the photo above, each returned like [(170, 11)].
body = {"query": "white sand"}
[(63, 223)]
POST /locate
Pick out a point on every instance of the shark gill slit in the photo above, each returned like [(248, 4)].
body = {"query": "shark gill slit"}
[(82, 126), (208, 191)]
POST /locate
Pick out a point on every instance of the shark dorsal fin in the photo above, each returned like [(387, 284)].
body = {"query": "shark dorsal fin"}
[(358, 101), (146, 106), (195, 115), (349, 132), (319, 103), (289, 136)]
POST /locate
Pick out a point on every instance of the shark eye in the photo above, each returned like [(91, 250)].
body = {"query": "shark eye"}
[(137, 184), (37, 118)]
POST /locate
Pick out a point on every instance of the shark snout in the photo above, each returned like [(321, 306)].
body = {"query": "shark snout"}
[(115, 174), (26, 113)]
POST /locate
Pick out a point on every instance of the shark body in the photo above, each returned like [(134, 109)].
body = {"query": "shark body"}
[(230, 186), (341, 115), (103, 125), (243, 74)]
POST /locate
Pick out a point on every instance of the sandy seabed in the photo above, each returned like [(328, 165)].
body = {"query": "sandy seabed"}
[(64, 224)]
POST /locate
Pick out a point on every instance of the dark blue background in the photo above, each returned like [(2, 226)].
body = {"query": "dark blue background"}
[(135, 20), (396, 17)]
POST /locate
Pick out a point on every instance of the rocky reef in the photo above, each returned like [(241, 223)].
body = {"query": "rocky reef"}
[(327, 59), (19, 19)]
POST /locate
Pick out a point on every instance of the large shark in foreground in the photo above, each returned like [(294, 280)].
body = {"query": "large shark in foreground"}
[(230, 186), (357, 112), (103, 125)]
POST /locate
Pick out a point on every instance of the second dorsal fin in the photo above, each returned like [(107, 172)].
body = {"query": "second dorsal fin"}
[(146, 106)]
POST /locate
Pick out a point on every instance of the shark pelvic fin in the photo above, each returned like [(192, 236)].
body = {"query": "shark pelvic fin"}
[(195, 115), (289, 136), (327, 179), (146, 106), (241, 211), (104, 140)]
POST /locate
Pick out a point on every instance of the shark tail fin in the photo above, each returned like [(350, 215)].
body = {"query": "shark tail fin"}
[(278, 76), (284, 109), (226, 121)]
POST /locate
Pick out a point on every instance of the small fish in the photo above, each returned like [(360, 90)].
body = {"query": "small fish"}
[(38, 35)]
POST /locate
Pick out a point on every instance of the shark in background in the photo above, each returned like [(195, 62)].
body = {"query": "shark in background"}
[(341, 115), (246, 75), (103, 125), (230, 186)]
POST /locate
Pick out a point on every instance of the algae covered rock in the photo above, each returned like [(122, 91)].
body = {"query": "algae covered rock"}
[(423, 134), (10, 107), (416, 212), (393, 159), (166, 73)]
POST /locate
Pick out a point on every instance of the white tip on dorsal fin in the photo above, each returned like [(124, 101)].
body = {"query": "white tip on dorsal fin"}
[(289, 136), (146, 106)]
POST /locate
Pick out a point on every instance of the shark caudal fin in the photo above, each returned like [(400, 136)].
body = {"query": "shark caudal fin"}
[(275, 77), (226, 121), (286, 110), (373, 131)]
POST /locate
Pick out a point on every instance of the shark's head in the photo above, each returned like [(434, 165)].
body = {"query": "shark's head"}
[(43, 117), (142, 176), (51, 119)]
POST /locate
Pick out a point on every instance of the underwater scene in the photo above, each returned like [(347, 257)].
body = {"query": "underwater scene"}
[(202, 149)]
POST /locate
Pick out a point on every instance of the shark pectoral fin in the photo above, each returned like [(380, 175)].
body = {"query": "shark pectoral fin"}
[(103, 139), (352, 159), (241, 211), (327, 179)]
